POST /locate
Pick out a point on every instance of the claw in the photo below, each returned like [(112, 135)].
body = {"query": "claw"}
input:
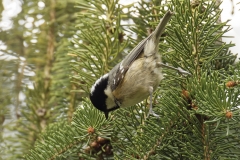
[(180, 70), (150, 109)]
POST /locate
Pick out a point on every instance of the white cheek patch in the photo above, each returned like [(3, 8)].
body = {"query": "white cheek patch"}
[(110, 98), (98, 81), (108, 91)]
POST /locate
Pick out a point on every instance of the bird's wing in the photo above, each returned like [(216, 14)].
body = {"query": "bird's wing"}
[(124, 65), (121, 69)]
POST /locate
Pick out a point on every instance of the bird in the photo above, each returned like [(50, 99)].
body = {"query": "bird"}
[(135, 78)]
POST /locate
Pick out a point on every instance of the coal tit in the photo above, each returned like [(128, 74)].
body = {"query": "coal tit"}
[(133, 79)]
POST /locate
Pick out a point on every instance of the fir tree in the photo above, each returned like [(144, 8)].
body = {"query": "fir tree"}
[(37, 48), (199, 114)]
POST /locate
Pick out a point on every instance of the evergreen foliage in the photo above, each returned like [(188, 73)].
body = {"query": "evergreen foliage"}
[(199, 114), (40, 72)]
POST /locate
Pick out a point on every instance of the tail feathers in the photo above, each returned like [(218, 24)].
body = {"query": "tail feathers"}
[(161, 26), (152, 43)]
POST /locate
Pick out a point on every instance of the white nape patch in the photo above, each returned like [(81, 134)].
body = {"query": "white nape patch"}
[(98, 81), (149, 47)]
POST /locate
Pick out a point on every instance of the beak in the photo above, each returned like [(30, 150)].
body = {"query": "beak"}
[(106, 114)]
